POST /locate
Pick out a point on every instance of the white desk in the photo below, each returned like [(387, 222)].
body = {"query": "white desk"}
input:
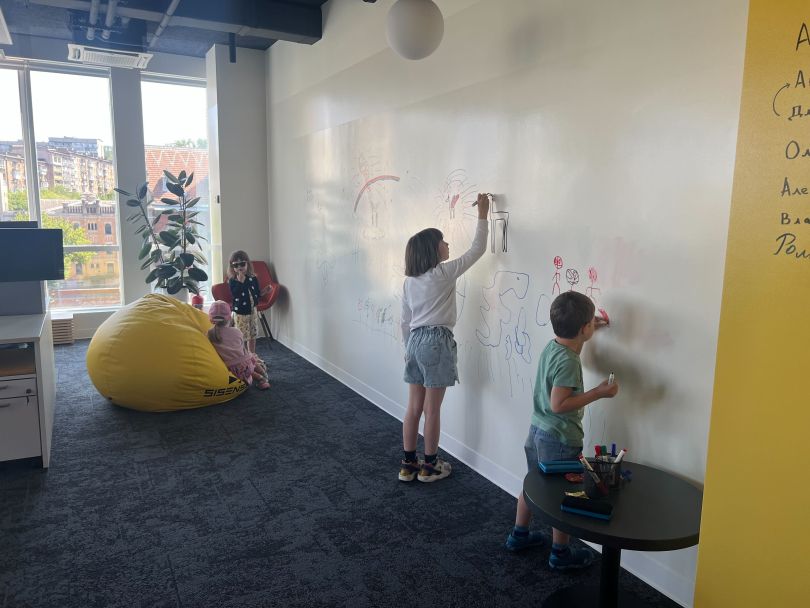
[(27, 388)]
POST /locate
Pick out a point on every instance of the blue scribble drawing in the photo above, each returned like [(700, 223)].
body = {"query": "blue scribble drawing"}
[(518, 341), (542, 317), (461, 294), (502, 304)]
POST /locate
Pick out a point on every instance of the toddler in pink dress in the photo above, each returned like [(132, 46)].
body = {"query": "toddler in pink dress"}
[(230, 345)]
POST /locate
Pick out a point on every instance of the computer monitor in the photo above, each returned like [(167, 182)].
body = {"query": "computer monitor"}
[(31, 254)]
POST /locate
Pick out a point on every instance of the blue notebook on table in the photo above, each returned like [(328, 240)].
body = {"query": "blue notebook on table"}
[(560, 466)]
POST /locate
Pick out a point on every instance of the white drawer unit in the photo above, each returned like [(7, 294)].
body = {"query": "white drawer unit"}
[(27, 387), (22, 387), (19, 428)]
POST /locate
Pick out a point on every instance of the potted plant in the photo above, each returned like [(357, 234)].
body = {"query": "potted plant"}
[(171, 245)]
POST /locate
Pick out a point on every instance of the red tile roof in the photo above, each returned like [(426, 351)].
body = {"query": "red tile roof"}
[(174, 160)]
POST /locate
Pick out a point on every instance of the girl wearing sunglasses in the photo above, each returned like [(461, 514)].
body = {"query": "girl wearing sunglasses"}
[(246, 293)]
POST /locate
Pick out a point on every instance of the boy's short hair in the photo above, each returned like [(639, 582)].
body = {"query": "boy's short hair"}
[(422, 252), (570, 311)]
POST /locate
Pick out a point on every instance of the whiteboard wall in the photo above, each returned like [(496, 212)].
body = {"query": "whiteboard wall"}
[(606, 132)]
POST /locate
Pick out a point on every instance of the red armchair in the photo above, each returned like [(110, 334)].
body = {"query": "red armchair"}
[(269, 298)]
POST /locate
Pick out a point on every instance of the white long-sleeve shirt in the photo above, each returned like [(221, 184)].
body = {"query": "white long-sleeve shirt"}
[(430, 298)]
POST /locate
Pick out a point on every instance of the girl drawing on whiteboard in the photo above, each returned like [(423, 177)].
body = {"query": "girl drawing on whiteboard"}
[(428, 318)]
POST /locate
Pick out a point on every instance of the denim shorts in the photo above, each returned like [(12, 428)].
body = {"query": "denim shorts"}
[(542, 446), (431, 358)]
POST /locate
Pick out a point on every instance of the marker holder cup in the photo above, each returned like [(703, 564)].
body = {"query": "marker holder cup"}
[(607, 471)]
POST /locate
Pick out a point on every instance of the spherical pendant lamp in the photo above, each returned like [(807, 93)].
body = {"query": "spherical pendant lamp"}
[(414, 28)]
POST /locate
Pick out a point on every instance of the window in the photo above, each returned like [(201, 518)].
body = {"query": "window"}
[(175, 134), (107, 229), (76, 184), (13, 185)]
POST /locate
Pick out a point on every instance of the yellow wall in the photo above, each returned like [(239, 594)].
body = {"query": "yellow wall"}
[(755, 540)]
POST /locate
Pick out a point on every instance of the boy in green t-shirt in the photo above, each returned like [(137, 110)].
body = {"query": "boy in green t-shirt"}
[(556, 430)]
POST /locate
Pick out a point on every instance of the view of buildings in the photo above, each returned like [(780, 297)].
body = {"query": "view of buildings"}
[(76, 180)]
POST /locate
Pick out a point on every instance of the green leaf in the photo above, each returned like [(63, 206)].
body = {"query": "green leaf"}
[(192, 202), (157, 219), (178, 263), (123, 192), (170, 177), (145, 249), (141, 229), (152, 275), (174, 285), (170, 201), (190, 179), (175, 189), (191, 286), (133, 202), (188, 259), (164, 271), (143, 190), (168, 240), (134, 217), (199, 257), (198, 274), (182, 176), (196, 222), (176, 217), (146, 264), (190, 237)]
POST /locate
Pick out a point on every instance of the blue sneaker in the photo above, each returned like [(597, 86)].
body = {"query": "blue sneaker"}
[(571, 558), (516, 543)]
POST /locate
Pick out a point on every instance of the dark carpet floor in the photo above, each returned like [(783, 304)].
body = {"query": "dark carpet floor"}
[(286, 498)]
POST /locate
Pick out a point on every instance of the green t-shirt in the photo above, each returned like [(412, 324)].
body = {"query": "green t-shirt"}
[(558, 366)]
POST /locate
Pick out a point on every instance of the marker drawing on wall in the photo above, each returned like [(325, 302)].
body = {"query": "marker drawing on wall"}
[(377, 317), (543, 307), (372, 195), (592, 291), (503, 330), (555, 285), (572, 277)]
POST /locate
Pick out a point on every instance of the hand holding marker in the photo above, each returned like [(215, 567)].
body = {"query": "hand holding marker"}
[(489, 194)]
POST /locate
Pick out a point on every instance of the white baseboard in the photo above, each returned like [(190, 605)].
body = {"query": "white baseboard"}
[(676, 587)]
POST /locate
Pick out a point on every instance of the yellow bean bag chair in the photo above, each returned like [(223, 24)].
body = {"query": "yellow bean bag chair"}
[(154, 355)]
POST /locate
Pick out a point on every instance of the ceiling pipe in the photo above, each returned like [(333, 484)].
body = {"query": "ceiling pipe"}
[(109, 19), (163, 22), (91, 20)]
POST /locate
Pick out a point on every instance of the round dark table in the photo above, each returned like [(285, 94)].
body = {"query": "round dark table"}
[(656, 511)]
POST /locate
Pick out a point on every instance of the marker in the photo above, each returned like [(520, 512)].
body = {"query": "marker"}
[(613, 450), (598, 450), (587, 466), (611, 378), (620, 456), (605, 316), (492, 196)]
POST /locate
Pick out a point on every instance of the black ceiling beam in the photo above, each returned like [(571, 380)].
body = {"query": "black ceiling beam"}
[(261, 18)]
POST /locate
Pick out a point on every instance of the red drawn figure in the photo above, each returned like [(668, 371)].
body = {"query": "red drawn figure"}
[(572, 277), (453, 202), (592, 290), (555, 287), (372, 195)]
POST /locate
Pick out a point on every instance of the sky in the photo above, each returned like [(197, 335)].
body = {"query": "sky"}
[(69, 105)]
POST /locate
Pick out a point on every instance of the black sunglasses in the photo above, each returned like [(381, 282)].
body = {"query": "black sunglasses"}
[(238, 264)]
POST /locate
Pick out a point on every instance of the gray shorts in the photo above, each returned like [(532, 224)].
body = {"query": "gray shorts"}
[(431, 358), (542, 446)]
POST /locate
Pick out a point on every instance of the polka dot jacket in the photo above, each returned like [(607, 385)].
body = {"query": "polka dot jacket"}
[(242, 294)]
